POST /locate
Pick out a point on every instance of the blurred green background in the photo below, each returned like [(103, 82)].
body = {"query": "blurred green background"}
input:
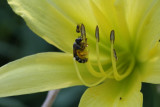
[(17, 41)]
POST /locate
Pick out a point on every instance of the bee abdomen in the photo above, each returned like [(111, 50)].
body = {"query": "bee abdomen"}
[(81, 60)]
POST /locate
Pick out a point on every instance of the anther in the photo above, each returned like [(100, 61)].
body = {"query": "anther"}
[(97, 33), (112, 36), (120, 98), (83, 31), (78, 29), (115, 54)]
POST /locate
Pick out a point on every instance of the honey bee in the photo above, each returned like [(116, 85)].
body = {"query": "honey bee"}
[(79, 47)]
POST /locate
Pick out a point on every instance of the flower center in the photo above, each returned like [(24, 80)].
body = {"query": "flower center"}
[(80, 53)]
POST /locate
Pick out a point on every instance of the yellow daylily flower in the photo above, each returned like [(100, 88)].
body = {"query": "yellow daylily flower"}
[(124, 53)]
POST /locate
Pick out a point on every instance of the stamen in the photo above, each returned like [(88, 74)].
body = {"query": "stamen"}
[(89, 66), (112, 37), (83, 31), (97, 33), (114, 57), (83, 81), (97, 51), (83, 34), (82, 44)]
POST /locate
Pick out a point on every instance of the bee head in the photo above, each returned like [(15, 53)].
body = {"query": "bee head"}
[(78, 40)]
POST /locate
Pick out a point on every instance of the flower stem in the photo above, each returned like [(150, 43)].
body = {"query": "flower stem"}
[(51, 96)]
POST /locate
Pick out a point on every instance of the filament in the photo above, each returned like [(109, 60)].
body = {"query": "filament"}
[(92, 71), (97, 51), (117, 76), (83, 81)]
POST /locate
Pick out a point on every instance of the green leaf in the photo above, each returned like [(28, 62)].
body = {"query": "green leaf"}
[(10, 102)]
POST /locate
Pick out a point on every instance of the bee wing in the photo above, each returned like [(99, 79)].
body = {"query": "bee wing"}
[(83, 33)]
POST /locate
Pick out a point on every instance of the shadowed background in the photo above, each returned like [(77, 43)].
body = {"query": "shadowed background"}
[(17, 41)]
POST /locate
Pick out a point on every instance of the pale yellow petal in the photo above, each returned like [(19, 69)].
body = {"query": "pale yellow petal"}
[(110, 15), (148, 33), (111, 93), (56, 21), (150, 72), (37, 73)]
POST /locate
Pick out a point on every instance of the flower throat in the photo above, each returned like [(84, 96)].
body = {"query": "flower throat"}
[(80, 54)]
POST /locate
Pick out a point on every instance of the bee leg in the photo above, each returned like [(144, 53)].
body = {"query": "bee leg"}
[(76, 57), (76, 46)]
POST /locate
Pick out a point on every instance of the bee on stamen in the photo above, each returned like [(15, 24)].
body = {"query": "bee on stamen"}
[(79, 47)]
